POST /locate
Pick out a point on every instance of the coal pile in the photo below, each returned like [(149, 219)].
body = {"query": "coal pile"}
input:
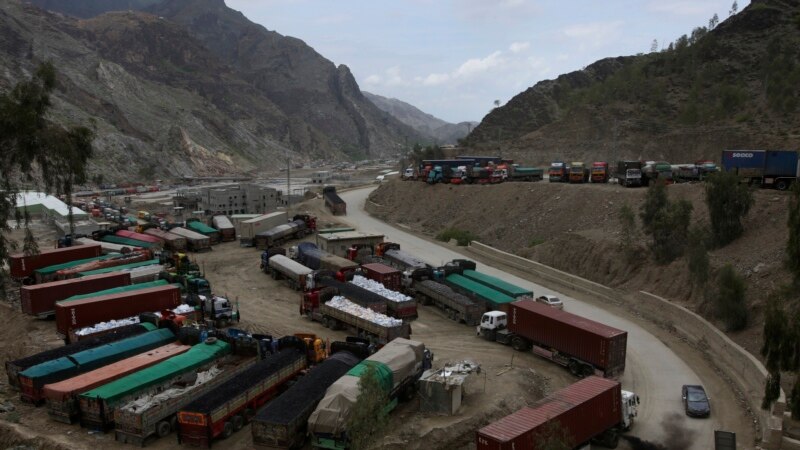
[(303, 396), (447, 292), (244, 381), (360, 349)]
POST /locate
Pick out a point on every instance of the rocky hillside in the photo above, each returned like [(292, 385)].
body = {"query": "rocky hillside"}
[(437, 130), (729, 87), (191, 88)]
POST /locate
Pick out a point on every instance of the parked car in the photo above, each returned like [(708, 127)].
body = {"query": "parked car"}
[(551, 300), (695, 401)]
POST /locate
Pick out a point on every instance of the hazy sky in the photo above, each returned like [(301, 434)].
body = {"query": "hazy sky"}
[(454, 58)]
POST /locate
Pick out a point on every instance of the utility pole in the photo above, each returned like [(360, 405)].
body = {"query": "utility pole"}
[(288, 182)]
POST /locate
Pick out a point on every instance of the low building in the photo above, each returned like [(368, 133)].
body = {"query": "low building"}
[(442, 391), (242, 198), (51, 210), (321, 177), (338, 243)]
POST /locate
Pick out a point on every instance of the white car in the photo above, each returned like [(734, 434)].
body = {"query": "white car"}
[(551, 300)]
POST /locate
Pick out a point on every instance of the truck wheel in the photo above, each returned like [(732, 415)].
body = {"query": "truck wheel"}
[(248, 415), (163, 429), (519, 344), (782, 185), (238, 422), (573, 367), (227, 430)]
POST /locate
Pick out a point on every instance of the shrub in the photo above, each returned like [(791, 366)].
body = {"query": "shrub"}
[(793, 244), (463, 237), (629, 235), (698, 256), (669, 230), (794, 399), (728, 202), (772, 390), (369, 417), (730, 304)]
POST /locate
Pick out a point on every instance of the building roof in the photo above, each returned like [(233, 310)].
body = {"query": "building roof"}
[(30, 198)]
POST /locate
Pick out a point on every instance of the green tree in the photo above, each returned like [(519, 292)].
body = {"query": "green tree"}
[(369, 418), (699, 266), (772, 389), (794, 399), (793, 244), (655, 201), (670, 230), (774, 333), (553, 436), (629, 235), (730, 301), (35, 152), (728, 202)]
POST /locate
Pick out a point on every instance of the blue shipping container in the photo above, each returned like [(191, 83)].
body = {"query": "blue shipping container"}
[(743, 159), (781, 164), (309, 255)]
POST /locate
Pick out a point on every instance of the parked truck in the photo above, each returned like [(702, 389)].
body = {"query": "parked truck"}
[(106, 262), (226, 229), (199, 227), (195, 241), (515, 172), (600, 172), (50, 273), (40, 299), (298, 228), (629, 173), (400, 259), (497, 284), (283, 422), (592, 410), (282, 267), (398, 366), (491, 298), (766, 168), (322, 287), (139, 237), (333, 202), (388, 276), (248, 229), (228, 407), (455, 306), (578, 172), (558, 173), (340, 312), (172, 241), (21, 266), (583, 346), (398, 305), (314, 258)]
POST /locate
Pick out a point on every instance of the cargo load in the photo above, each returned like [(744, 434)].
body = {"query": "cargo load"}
[(115, 261), (400, 259), (50, 273), (107, 247), (171, 240), (335, 204), (22, 266), (399, 306), (354, 293), (456, 306), (40, 299), (225, 227), (131, 267), (249, 228), (315, 258), (498, 285), (199, 227), (195, 241), (492, 299), (281, 267), (390, 277), (340, 312)]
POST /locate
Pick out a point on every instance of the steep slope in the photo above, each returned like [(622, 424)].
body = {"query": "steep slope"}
[(730, 87), (437, 130)]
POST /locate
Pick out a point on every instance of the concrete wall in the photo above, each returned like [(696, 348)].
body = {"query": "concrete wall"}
[(744, 370)]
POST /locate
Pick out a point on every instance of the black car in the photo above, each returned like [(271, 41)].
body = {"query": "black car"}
[(695, 401)]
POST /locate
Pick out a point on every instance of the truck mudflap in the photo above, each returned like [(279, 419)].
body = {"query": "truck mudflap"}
[(63, 411)]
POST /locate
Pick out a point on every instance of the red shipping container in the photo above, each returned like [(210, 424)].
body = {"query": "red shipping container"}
[(40, 299), (89, 311), (584, 409), (591, 341), (139, 236), (390, 277), (23, 266)]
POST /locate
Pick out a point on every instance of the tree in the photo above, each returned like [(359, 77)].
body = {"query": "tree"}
[(496, 103), (698, 256), (734, 8), (670, 230), (655, 201), (730, 301), (728, 202), (36, 152), (654, 46), (368, 418), (713, 21), (793, 244), (553, 436), (629, 235)]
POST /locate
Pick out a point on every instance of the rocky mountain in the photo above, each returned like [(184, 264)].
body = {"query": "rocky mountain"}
[(187, 88), (728, 87), (436, 129)]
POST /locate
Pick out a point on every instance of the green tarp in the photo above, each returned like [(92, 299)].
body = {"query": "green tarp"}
[(201, 228), (498, 284), (149, 262), (482, 291), (126, 241), (117, 290), (383, 372)]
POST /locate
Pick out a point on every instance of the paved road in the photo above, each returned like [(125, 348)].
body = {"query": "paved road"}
[(653, 371)]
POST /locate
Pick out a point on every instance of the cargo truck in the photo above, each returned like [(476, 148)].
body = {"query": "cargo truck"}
[(50, 273), (491, 298), (323, 286), (139, 236), (228, 407), (388, 276), (133, 268), (455, 306), (629, 173), (199, 227), (593, 410), (195, 241), (400, 259), (33, 379), (399, 306), (283, 422), (398, 366), (172, 241), (249, 228), (341, 313), (558, 173), (295, 274), (40, 299), (333, 202), (114, 261), (578, 172), (600, 172), (766, 168), (106, 247), (298, 228), (514, 172), (21, 266), (314, 258), (62, 397), (583, 346), (128, 242), (498, 285), (89, 311), (226, 229)]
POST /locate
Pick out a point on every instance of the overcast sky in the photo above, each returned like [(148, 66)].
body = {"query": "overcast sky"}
[(454, 58)]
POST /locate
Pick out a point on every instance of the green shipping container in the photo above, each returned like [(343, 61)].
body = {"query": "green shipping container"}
[(126, 241), (149, 262), (495, 299), (49, 270), (117, 290), (202, 228), (498, 284)]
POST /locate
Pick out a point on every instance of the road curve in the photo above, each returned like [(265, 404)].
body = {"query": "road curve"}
[(652, 370)]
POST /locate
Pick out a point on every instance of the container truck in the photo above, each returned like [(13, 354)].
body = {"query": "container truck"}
[(292, 271), (593, 410), (314, 258), (237, 219), (399, 306), (398, 366), (62, 397), (583, 346), (600, 172), (766, 168), (400, 259), (322, 288), (629, 173), (133, 268), (333, 202), (388, 276), (226, 229), (199, 227), (282, 423), (300, 227), (491, 298), (115, 261), (89, 311), (656, 170), (33, 379), (117, 290), (98, 406), (249, 228), (50, 273), (139, 237), (40, 299), (228, 407), (578, 172), (21, 266), (13, 368), (133, 243), (195, 241), (172, 241), (497, 284), (558, 173), (341, 313), (456, 306), (514, 172), (106, 247)]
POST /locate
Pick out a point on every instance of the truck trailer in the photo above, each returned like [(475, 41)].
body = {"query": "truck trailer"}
[(455, 306), (491, 298), (40, 299), (593, 410), (50, 273), (340, 312), (195, 241), (584, 346), (199, 227), (765, 168), (315, 258), (388, 276), (172, 241), (397, 258), (21, 266), (298, 228), (498, 284), (226, 229), (333, 202), (295, 274), (399, 306), (248, 229)]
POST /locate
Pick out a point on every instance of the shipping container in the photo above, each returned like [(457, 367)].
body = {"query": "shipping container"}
[(493, 300), (22, 266), (139, 237), (123, 268), (225, 227), (40, 299), (583, 410), (116, 290), (81, 313), (295, 273), (171, 240), (768, 168), (314, 258), (128, 241), (199, 227), (195, 242), (499, 285), (50, 273), (249, 228), (107, 247), (386, 275)]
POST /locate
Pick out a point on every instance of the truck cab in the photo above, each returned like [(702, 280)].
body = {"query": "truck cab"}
[(493, 325), (630, 410), (409, 174)]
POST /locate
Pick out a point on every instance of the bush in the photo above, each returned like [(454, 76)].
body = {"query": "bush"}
[(794, 399), (772, 390), (369, 417), (629, 235), (670, 229), (728, 202), (698, 256), (655, 201), (463, 237), (730, 301), (793, 244)]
